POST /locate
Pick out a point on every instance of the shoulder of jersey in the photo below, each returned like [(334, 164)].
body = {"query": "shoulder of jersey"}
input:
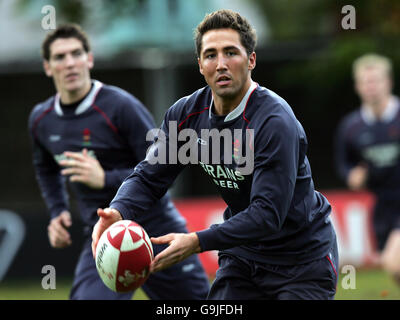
[(114, 92), (42, 107), (117, 94), (352, 118), (267, 102), (197, 102)]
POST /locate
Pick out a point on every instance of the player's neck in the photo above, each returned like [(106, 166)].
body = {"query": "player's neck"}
[(69, 97), (225, 105), (378, 107)]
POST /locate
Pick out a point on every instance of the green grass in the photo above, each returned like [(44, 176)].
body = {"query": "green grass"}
[(370, 285), (32, 290)]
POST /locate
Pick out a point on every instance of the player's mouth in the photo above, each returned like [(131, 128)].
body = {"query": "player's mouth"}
[(223, 80), (72, 76)]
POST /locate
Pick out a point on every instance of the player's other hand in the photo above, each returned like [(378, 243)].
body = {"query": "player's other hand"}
[(83, 168), (357, 177), (181, 246), (59, 237), (107, 217)]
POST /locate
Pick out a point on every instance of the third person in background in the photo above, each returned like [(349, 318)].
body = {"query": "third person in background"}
[(367, 150)]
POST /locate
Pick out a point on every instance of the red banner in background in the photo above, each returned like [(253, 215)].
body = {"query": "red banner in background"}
[(351, 216)]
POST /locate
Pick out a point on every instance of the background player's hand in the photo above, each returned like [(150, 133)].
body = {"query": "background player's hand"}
[(59, 237), (81, 167), (107, 217), (181, 246), (357, 177)]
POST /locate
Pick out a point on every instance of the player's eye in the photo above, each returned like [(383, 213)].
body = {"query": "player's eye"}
[(58, 57), (77, 53)]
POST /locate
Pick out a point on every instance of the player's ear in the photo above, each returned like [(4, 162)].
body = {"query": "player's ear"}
[(90, 60), (252, 61), (47, 69), (200, 66)]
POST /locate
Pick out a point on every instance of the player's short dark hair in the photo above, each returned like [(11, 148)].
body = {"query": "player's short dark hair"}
[(224, 19), (69, 30)]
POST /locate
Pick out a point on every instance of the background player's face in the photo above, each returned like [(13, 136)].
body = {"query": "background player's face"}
[(224, 63), (373, 84), (69, 65)]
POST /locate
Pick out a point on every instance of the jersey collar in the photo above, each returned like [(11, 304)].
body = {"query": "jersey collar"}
[(85, 104), (387, 116), (239, 109)]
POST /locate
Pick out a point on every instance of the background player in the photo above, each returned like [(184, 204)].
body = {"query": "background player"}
[(93, 135), (368, 151), (277, 241)]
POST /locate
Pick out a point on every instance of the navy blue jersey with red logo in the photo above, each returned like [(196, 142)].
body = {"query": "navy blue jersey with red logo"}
[(363, 139), (112, 125), (274, 215)]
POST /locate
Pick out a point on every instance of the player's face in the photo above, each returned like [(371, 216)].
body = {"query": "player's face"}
[(373, 84), (69, 65), (224, 63)]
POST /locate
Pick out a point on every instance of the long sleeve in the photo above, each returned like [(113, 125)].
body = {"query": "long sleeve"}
[(345, 159), (150, 179), (50, 181)]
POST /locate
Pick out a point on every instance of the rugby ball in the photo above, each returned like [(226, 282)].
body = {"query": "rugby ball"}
[(123, 256)]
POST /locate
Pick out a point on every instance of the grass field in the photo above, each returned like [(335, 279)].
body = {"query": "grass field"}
[(370, 285), (32, 290)]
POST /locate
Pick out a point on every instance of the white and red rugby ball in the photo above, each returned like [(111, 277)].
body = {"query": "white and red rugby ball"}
[(123, 256)]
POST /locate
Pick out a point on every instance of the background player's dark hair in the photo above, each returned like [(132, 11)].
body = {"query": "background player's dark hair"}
[(223, 19), (69, 30)]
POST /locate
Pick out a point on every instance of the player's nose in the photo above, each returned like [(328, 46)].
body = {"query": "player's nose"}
[(69, 60), (221, 62)]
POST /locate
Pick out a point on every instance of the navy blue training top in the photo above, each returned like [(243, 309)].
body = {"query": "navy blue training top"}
[(274, 215), (374, 143), (112, 125)]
